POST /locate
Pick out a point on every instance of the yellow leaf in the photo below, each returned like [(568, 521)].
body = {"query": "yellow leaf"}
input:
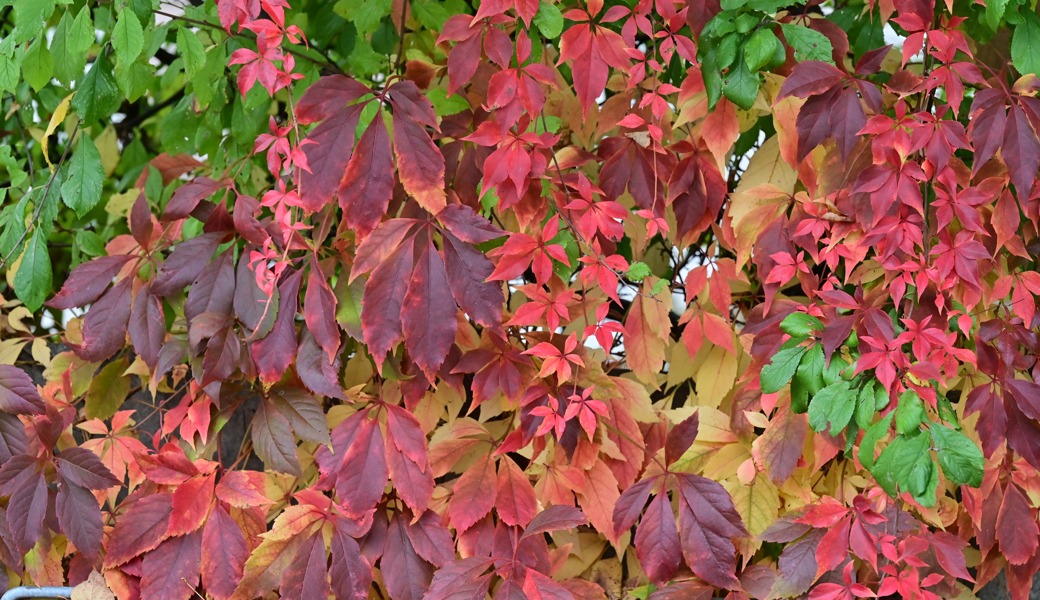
[(751, 211), (94, 588), (56, 119), (108, 146), (10, 349), (119, 205), (768, 166), (647, 331), (41, 353), (724, 462), (716, 376), (758, 503)]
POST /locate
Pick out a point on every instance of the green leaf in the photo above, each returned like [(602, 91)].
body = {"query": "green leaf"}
[(31, 18), (741, 86), (995, 12), (759, 49), (961, 460), (781, 369), (1025, 45), (832, 405), (32, 280), (898, 466), (10, 68), (72, 39), (127, 37), (832, 372), (431, 14), (810, 370), (191, 50), (549, 20), (107, 391), (638, 271), (800, 324), (98, 95), (38, 64), (444, 104), (364, 14), (865, 406), (909, 413), (808, 44), (871, 436), (86, 175)]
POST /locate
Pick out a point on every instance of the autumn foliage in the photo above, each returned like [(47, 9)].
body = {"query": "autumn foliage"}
[(521, 299)]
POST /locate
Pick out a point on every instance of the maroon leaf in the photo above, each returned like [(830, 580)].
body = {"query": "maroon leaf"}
[(657, 541), (273, 440), (302, 410), (461, 580), (224, 554), (139, 529), (555, 518), (810, 78), (147, 326), (21, 479), (188, 196), (356, 464), (171, 571), (12, 437), (327, 168), (797, 566), (709, 523), (141, 221), (306, 576), (368, 184), (214, 289), (255, 309), (464, 223), (1021, 151), (630, 505), (87, 281), (18, 395), (185, 263), (428, 312), (413, 484), (79, 517), (328, 95), (104, 326), (468, 270), (319, 311), (273, 354), (316, 372), (431, 539), (83, 468), (351, 573), (405, 574), (680, 438)]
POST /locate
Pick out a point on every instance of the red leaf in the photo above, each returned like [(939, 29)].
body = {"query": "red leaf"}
[(413, 483), (273, 354), (357, 463), (319, 311), (405, 574), (351, 573), (327, 168), (171, 571), (18, 395), (1017, 531), (147, 326), (428, 312), (516, 502), (381, 304), (306, 577), (680, 438), (191, 505), (473, 495), (104, 326), (368, 184), (710, 524), (224, 554), (420, 163), (188, 196), (657, 541), (139, 529), (87, 281), (242, 489)]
